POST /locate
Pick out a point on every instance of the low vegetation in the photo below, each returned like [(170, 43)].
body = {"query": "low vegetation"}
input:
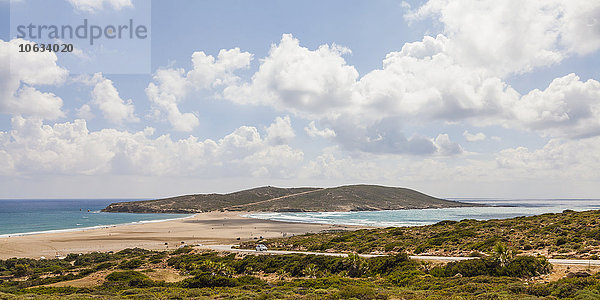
[(207, 275), (563, 235)]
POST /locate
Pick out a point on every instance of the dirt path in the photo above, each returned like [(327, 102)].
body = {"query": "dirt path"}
[(228, 248), (272, 199)]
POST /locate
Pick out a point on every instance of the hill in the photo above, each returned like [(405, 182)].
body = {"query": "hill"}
[(344, 198)]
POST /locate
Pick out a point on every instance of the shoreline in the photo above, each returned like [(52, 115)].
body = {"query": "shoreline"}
[(7, 235), (201, 228)]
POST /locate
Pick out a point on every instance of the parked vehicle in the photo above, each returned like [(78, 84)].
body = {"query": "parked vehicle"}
[(261, 247)]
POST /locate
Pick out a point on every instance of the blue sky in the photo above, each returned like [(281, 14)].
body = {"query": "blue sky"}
[(453, 98)]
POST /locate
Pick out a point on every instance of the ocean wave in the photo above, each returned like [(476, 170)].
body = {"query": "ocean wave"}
[(91, 227), (418, 217)]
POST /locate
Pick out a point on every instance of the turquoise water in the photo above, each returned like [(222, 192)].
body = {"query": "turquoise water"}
[(497, 209), (34, 216)]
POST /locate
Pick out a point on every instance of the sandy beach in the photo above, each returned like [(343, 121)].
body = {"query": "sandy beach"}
[(204, 228)]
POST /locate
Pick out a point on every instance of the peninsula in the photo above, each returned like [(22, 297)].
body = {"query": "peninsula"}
[(307, 199)]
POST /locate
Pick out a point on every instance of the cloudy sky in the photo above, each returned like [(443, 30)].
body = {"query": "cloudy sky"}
[(455, 98)]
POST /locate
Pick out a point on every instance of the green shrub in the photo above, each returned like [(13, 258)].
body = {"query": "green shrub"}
[(45, 290), (91, 258), (527, 266), (182, 250), (385, 264), (520, 266), (422, 248), (104, 266), (357, 292), (131, 264), (208, 280)]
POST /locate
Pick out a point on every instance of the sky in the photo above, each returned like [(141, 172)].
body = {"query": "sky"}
[(454, 98)]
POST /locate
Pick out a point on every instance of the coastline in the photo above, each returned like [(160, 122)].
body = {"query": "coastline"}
[(202, 228), (7, 235)]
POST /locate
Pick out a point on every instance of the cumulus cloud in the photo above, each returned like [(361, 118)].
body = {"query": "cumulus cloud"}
[(106, 97), (447, 147), (423, 82), (280, 132), (568, 107), (514, 36), (312, 131), (557, 159), (171, 86), (32, 147), (418, 83), (20, 73), (170, 90), (474, 137), (300, 80), (92, 6), (85, 112), (209, 72)]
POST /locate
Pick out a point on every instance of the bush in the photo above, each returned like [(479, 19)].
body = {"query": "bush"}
[(65, 290), (91, 258), (133, 252), (527, 266), (104, 266), (21, 270), (183, 250), (520, 266), (422, 248), (358, 292), (207, 280), (468, 268), (385, 264), (131, 264), (561, 241)]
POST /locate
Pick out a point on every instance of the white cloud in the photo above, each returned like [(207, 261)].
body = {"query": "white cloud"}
[(20, 72), (275, 161), (280, 132), (92, 6), (312, 131), (170, 90), (423, 82), (209, 72), (70, 148), (432, 87), (515, 36), (418, 84), (299, 80), (557, 161), (568, 108), (106, 97), (447, 147), (470, 137), (85, 112), (575, 159), (171, 86)]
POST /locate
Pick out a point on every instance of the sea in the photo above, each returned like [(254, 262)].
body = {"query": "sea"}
[(495, 209), (22, 217)]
